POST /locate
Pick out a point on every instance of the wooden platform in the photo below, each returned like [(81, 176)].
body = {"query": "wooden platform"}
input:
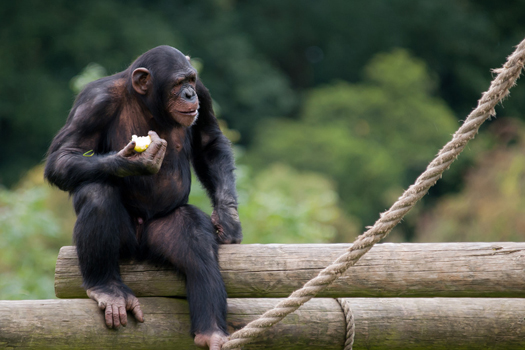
[(387, 270), (444, 277), (381, 323)]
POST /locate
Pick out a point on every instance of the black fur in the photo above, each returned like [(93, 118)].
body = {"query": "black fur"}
[(122, 213)]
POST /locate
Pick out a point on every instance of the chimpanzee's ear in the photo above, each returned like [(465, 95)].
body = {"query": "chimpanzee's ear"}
[(141, 80)]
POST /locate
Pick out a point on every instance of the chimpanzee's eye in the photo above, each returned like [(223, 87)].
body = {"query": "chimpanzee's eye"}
[(176, 89)]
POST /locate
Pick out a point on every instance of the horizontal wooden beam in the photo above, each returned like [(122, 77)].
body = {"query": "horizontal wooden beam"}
[(396, 323), (388, 270)]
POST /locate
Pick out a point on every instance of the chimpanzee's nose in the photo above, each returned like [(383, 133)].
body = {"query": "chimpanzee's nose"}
[(189, 94)]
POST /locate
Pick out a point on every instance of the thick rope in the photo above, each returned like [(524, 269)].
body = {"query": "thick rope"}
[(350, 324), (499, 89)]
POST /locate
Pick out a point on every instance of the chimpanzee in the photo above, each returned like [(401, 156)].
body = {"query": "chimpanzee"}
[(135, 205)]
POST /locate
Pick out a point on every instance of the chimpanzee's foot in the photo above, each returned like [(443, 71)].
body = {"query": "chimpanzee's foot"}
[(116, 301), (213, 340)]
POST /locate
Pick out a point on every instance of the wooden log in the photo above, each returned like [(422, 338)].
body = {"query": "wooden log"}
[(396, 323), (388, 270)]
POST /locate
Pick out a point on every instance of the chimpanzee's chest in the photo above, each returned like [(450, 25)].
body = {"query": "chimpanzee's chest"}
[(152, 195)]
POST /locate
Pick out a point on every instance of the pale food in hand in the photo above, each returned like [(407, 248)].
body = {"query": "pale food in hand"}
[(141, 142)]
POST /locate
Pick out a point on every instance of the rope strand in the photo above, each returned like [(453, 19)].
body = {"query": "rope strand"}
[(350, 324), (499, 89)]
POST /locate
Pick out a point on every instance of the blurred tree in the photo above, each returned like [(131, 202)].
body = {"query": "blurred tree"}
[(254, 52), (91, 72), (258, 56), (36, 220), (316, 42), (369, 137), (248, 85), (282, 205), (491, 207), (44, 45)]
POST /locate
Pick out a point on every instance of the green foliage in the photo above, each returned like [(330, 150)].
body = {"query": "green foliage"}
[(491, 206), (35, 221), (393, 107), (398, 71), (247, 87), (258, 54), (91, 72), (459, 40), (364, 140), (45, 45), (282, 205), (29, 245), (369, 137)]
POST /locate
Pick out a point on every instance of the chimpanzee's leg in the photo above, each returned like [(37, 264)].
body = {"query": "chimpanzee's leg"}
[(103, 233), (186, 238)]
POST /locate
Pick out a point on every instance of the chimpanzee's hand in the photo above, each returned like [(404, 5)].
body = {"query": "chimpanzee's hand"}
[(116, 302), (144, 163), (227, 223)]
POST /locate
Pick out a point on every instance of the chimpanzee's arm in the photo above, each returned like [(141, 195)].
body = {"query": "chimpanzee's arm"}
[(214, 165), (81, 160), (79, 153)]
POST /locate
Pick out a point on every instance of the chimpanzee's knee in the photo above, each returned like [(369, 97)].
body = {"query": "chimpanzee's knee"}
[(103, 233), (98, 198), (185, 237)]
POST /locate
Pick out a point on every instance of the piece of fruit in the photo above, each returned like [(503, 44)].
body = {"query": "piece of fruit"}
[(141, 142)]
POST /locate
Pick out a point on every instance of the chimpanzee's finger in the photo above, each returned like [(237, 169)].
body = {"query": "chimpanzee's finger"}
[(128, 151), (158, 158), (157, 144), (157, 148), (123, 316), (155, 140), (116, 316), (134, 307), (108, 315), (154, 136)]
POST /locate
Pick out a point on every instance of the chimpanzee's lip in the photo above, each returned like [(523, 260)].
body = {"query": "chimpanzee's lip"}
[(190, 113)]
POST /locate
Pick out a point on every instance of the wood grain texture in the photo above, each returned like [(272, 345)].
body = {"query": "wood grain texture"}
[(381, 323), (388, 270)]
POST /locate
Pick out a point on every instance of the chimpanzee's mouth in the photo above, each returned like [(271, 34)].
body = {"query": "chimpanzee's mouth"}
[(190, 113)]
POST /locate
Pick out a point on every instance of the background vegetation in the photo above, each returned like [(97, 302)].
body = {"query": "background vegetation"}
[(334, 108)]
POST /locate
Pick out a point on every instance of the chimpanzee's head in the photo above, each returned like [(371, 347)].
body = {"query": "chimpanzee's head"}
[(165, 81)]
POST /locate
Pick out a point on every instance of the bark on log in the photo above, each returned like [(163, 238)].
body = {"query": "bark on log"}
[(388, 270), (395, 323)]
